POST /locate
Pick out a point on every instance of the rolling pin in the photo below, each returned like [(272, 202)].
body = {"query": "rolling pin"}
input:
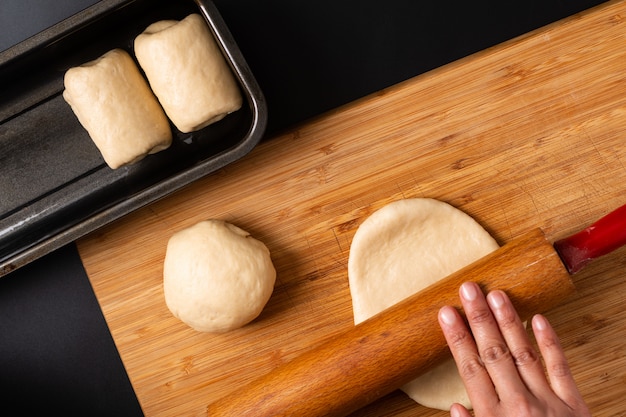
[(404, 341)]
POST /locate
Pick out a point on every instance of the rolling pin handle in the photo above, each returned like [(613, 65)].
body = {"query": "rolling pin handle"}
[(602, 237)]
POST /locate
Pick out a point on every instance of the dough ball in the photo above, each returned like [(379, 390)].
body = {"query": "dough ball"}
[(216, 277), (187, 71), (115, 105), (403, 248)]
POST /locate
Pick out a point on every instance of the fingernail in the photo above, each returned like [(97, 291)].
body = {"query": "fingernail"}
[(540, 322), (455, 411), (447, 315), (468, 291), (496, 299)]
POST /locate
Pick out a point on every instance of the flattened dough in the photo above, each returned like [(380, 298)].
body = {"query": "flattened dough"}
[(187, 72), (401, 249), (216, 277), (114, 104)]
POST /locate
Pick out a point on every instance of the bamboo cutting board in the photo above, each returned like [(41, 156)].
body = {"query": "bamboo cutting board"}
[(527, 134)]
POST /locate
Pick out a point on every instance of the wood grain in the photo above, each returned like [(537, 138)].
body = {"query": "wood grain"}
[(524, 135)]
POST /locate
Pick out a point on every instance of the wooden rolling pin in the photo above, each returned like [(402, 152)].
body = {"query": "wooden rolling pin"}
[(390, 349)]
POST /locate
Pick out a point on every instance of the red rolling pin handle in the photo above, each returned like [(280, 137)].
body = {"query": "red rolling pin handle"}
[(397, 345), (602, 237)]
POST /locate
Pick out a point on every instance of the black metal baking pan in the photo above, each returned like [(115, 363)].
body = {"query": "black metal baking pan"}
[(54, 184)]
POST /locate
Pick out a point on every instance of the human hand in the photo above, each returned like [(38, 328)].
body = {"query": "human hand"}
[(501, 370)]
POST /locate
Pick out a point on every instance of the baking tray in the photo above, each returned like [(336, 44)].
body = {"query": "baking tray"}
[(54, 185)]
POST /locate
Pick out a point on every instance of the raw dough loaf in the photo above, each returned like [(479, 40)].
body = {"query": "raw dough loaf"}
[(114, 104), (403, 248), (187, 72), (216, 277)]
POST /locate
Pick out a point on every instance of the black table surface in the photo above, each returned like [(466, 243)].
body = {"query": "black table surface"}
[(56, 352)]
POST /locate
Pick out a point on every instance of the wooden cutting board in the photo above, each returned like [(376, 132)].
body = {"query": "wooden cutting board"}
[(528, 134)]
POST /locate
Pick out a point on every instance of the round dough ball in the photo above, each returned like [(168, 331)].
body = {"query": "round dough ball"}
[(403, 248), (216, 277)]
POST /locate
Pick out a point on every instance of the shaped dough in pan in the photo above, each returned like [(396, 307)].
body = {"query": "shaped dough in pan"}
[(187, 72), (115, 105)]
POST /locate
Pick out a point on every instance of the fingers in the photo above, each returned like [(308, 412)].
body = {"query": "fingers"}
[(523, 354), (497, 362), (561, 378), (492, 346), (477, 381), (499, 354)]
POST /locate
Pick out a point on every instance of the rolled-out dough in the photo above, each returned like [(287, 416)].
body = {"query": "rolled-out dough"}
[(115, 105), (403, 248), (216, 277), (187, 71)]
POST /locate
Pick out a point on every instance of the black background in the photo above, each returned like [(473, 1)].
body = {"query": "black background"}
[(56, 353)]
